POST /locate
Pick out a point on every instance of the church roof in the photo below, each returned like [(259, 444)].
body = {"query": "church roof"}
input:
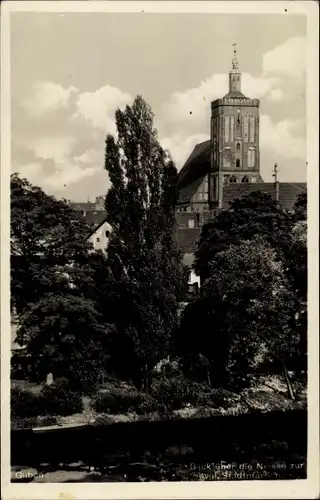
[(288, 192), (193, 171)]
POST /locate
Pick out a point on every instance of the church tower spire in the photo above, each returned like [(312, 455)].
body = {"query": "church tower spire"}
[(234, 73)]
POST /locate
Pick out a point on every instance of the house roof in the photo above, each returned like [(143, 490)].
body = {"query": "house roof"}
[(288, 192), (194, 171), (93, 219), (95, 228)]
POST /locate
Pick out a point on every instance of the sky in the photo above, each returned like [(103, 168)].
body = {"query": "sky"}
[(71, 71)]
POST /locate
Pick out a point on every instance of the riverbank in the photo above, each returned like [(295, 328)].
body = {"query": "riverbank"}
[(257, 445), (265, 394)]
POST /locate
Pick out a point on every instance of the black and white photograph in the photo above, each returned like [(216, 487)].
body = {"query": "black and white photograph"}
[(160, 172)]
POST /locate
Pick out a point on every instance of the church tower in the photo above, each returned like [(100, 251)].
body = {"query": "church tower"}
[(234, 138)]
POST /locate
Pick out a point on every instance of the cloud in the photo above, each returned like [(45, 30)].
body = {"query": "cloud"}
[(47, 97), (283, 138), (91, 157), (180, 146), (63, 176), (99, 107), (190, 109), (58, 134), (57, 179), (276, 95), (287, 59), (57, 148)]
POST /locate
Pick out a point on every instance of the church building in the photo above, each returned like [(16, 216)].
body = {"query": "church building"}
[(225, 167)]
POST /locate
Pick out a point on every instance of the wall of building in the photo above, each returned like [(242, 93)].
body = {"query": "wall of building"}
[(100, 238)]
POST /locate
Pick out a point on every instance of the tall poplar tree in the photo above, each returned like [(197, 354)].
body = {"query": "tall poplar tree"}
[(142, 254)]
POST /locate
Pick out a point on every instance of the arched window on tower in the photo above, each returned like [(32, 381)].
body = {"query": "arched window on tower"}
[(245, 179), (251, 157), (238, 146), (233, 180), (227, 157), (237, 163)]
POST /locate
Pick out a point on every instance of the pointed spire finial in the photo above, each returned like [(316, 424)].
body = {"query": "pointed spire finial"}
[(234, 60)]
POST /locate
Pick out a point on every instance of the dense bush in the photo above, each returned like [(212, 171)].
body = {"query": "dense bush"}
[(118, 400), (60, 400), (175, 392), (150, 404), (24, 403), (52, 400)]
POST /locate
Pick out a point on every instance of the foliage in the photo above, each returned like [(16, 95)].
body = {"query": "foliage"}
[(249, 216), (300, 208), (55, 289), (60, 400), (48, 247), (118, 400), (173, 393), (252, 260), (65, 336), (52, 400), (147, 275), (24, 403), (246, 306)]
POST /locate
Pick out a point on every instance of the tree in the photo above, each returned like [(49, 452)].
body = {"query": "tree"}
[(297, 270), (65, 335), (142, 254), (48, 244), (251, 215), (300, 207), (245, 311), (53, 287), (237, 252)]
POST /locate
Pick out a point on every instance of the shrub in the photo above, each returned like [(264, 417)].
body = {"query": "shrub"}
[(60, 399), (220, 398), (24, 403), (149, 405), (118, 400), (174, 393)]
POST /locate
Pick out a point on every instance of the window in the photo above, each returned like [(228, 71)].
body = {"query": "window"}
[(245, 128), (191, 223), (98, 240), (226, 128), (245, 179), (227, 157), (251, 157), (252, 128), (107, 233), (238, 146), (233, 179), (232, 129), (237, 163)]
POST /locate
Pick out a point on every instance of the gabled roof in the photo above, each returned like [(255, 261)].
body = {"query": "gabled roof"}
[(194, 171), (288, 192), (95, 228)]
